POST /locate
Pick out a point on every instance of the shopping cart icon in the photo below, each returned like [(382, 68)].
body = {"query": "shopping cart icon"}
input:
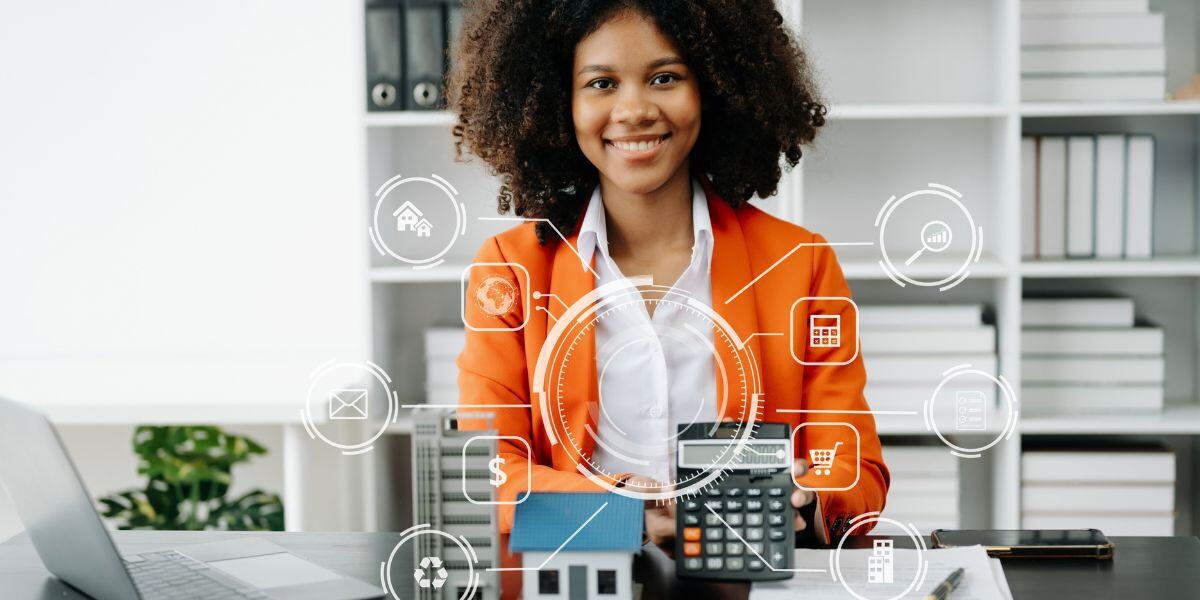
[(822, 459)]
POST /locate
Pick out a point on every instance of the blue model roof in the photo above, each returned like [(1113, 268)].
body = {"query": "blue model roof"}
[(545, 520)]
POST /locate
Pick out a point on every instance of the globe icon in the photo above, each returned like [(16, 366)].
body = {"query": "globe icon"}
[(495, 295)]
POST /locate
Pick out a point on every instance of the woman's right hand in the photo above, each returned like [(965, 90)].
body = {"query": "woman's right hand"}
[(660, 516)]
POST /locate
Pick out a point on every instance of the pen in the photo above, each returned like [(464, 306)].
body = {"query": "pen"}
[(944, 588)]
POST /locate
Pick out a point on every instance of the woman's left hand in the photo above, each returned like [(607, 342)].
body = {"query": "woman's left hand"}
[(801, 498)]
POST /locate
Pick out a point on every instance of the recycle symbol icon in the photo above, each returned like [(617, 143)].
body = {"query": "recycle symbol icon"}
[(431, 573)]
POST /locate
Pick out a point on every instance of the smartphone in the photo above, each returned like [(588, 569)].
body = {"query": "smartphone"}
[(1029, 543)]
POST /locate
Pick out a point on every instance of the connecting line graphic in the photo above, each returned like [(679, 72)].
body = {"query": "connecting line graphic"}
[(846, 412), (751, 336), (548, 313), (466, 406), (556, 551), (539, 295), (785, 257), (556, 231), (755, 553)]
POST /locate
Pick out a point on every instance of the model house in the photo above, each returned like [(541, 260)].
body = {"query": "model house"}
[(407, 216), (596, 563)]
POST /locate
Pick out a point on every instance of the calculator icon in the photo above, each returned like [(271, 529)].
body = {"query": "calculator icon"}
[(825, 331)]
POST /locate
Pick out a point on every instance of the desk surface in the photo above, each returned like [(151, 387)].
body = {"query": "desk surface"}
[(1143, 567)]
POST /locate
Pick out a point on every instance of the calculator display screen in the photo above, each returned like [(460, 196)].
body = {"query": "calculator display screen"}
[(754, 455)]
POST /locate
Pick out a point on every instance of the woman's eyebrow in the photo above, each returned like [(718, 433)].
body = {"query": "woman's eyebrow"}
[(654, 64)]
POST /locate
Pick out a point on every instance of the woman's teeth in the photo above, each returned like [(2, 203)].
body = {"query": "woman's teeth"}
[(637, 146)]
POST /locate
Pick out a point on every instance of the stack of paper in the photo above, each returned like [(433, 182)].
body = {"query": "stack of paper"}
[(924, 490), (442, 347), (1086, 356), (1085, 196), (1091, 50), (983, 579), (908, 347), (1120, 492)]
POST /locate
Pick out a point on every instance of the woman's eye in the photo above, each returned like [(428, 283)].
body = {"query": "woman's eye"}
[(601, 84), (664, 78)]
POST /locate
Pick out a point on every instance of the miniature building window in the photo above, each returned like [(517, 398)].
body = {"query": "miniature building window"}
[(548, 582), (606, 582)]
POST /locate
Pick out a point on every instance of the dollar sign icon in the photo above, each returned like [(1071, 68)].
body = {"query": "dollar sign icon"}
[(498, 476)]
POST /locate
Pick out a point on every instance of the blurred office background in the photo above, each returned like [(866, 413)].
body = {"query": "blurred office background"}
[(188, 189)]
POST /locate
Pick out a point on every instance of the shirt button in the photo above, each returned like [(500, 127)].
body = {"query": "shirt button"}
[(655, 411)]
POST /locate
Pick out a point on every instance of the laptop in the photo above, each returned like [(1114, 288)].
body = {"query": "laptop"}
[(72, 542)]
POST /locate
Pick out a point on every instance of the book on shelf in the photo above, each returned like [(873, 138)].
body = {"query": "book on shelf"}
[(1139, 196), (904, 315), (1093, 88), (1111, 341), (1110, 196), (911, 396), (1117, 464), (1095, 369), (1052, 197), (1077, 312), (1089, 60), (1029, 207), (924, 488), (1113, 29), (1098, 497), (1059, 7), (1080, 398), (1081, 196), (924, 368), (922, 339)]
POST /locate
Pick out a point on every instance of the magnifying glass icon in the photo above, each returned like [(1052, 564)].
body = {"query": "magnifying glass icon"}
[(935, 237)]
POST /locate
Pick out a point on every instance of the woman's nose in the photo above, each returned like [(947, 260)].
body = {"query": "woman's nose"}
[(634, 107)]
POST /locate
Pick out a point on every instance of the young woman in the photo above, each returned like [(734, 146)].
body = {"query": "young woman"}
[(637, 130)]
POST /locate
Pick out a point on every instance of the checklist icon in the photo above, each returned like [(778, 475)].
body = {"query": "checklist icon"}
[(970, 411)]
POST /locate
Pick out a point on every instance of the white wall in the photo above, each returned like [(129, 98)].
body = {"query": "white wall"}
[(180, 212)]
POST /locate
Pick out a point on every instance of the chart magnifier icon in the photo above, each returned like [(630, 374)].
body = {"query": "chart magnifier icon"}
[(935, 237)]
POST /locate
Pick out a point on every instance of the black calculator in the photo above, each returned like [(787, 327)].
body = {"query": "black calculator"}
[(741, 527)]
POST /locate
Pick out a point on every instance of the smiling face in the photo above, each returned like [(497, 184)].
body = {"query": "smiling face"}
[(635, 104)]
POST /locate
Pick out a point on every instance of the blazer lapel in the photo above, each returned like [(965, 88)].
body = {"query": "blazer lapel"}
[(570, 282), (731, 271)]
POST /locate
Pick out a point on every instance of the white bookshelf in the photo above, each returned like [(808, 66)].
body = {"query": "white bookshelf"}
[(920, 91)]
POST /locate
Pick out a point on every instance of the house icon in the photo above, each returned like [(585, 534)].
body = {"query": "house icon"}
[(423, 227), (596, 563), (406, 217)]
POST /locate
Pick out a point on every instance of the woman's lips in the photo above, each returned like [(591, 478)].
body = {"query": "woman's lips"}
[(639, 151)]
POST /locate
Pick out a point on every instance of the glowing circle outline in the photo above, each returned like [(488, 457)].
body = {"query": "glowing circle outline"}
[(885, 213), (460, 218)]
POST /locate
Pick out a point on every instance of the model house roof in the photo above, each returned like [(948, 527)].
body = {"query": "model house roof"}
[(545, 521)]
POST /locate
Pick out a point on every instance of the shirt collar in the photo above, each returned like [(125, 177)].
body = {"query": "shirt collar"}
[(593, 232)]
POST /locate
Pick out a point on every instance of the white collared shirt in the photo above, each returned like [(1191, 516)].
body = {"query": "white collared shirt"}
[(654, 373)]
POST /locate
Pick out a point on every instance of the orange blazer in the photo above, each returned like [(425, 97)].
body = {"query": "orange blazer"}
[(497, 367)]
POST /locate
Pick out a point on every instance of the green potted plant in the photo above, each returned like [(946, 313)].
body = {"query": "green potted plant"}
[(188, 472)]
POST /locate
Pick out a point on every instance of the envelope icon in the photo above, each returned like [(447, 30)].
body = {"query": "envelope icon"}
[(348, 405)]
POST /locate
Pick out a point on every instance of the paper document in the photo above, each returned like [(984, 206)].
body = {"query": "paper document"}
[(875, 577)]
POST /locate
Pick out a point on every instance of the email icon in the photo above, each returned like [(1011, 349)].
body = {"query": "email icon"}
[(348, 405)]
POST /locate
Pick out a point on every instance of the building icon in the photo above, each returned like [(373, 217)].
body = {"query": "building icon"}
[(423, 228), (880, 563), (407, 217), (439, 479)]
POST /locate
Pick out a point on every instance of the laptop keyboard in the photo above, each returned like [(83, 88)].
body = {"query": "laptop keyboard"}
[(173, 576)]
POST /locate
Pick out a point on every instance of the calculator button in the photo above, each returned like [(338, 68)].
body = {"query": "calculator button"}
[(691, 519), (691, 548), (754, 519), (777, 535), (713, 534), (754, 505), (714, 564), (693, 564), (733, 505), (713, 492), (775, 520), (716, 505), (755, 534), (714, 548), (755, 564), (712, 520), (754, 492), (735, 533), (733, 548), (775, 505), (778, 555), (735, 519), (691, 505), (775, 492), (756, 546), (691, 534), (734, 564), (733, 492)]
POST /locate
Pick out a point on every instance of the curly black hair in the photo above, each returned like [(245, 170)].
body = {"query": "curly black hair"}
[(511, 89)]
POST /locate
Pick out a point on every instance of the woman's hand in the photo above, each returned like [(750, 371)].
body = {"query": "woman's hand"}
[(660, 517), (801, 498)]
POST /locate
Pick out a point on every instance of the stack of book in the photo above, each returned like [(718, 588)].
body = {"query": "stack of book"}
[(1087, 356), (908, 347), (1087, 196), (1091, 50), (924, 489), (1118, 491), (442, 347)]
